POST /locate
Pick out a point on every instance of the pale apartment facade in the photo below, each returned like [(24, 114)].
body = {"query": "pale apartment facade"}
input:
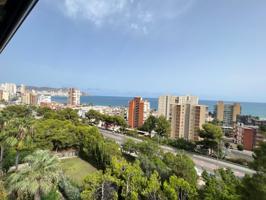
[(165, 103), (185, 114), (74, 97), (29, 98), (11, 88), (4, 96)]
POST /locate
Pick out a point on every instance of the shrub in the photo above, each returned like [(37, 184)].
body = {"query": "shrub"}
[(68, 189), (240, 147)]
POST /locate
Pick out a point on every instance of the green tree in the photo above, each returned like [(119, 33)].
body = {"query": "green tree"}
[(55, 134), (163, 127), (18, 111), (211, 135), (182, 166), (37, 178), (132, 178), (100, 186), (240, 147), (130, 146), (52, 195), (149, 124), (179, 189), (3, 193), (223, 185), (20, 134), (3, 136), (108, 150), (68, 189), (150, 164), (47, 113), (94, 117), (149, 148), (181, 143), (96, 149), (120, 121), (152, 190), (68, 114), (259, 156), (254, 187)]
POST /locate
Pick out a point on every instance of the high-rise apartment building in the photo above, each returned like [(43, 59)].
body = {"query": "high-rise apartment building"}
[(4, 96), (29, 98), (165, 103), (73, 97), (22, 89), (227, 113), (138, 112), (11, 88), (186, 120), (185, 115)]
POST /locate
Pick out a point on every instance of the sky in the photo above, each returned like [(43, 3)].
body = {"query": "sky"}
[(213, 49)]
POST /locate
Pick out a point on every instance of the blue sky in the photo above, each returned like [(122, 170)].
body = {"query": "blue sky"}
[(213, 49)]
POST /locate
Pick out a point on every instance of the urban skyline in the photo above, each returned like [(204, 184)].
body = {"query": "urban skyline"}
[(59, 143), (226, 47)]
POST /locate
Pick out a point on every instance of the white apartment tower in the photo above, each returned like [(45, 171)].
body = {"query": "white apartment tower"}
[(10, 88), (73, 97), (164, 105), (22, 89), (146, 110)]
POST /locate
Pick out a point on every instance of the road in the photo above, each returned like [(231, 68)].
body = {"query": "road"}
[(201, 162)]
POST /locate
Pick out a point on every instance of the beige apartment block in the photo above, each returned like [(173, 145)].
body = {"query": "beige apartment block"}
[(165, 103), (186, 120)]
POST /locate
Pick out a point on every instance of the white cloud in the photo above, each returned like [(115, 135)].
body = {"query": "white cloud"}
[(136, 15)]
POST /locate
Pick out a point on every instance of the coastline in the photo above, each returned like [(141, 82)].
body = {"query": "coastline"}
[(248, 108)]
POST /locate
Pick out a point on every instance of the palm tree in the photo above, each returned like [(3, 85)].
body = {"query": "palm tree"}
[(38, 177), (20, 136), (4, 119)]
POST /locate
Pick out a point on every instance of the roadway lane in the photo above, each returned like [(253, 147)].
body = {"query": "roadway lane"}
[(201, 162)]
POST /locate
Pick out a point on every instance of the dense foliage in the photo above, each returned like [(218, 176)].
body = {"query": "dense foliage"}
[(94, 117), (211, 137), (160, 125), (135, 171)]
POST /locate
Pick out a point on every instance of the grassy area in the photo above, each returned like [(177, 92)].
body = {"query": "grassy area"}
[(76, 169)]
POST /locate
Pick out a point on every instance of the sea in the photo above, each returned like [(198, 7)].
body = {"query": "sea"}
[(247, 108)]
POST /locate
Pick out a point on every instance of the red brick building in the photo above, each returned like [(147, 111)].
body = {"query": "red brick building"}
[(248, 136)]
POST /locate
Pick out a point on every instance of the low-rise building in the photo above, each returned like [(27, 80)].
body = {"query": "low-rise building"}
[(248, 136), (251, 120), (44, 99)]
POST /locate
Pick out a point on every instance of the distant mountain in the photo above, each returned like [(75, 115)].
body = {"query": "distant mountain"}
[(51, 89), (46, 88)]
